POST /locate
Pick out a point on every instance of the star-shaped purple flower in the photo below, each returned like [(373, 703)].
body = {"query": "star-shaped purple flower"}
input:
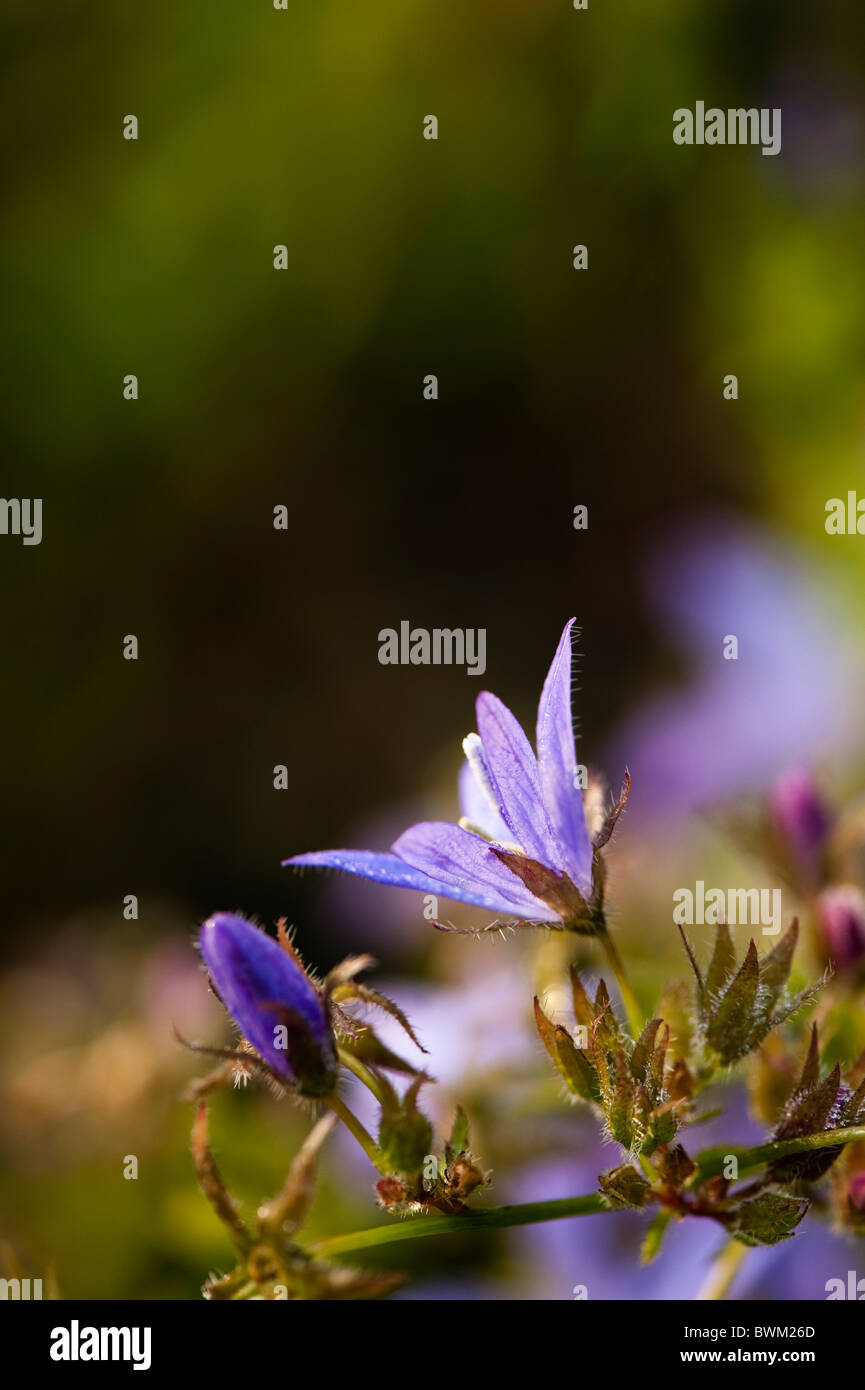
[(522, 848)]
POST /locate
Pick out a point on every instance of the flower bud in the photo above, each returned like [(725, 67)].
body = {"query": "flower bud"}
[(841, 913), (856, 1193), (273, 1002), (800, 817)]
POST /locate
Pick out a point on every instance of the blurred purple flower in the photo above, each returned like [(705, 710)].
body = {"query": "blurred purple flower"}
[(265, 990), (800, 816), (841, 914), (856, 1192), (792, 692), (522, 848)]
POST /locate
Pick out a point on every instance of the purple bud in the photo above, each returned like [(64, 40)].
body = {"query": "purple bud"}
[(276, 1006), (841, 913), (799, 814), (856, 1192)]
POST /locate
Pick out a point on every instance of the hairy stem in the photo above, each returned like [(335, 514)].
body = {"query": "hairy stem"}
[(363, 1137), (361, 1072), (496, 1218), (711, 1162)]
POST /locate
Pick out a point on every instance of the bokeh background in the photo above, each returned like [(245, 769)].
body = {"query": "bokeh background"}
[(259, 647)]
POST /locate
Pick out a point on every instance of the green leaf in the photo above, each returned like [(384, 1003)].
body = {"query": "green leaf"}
[(657, 1064), (584, 1014), (622, 1109), (675, 1166), (643, 1049), (570, 1062), (655, 1235), (625, 1187), (606, 1027), (459, 1140), (807, 1113), (723, 963), (405, 1134), (767, 1219), (701, 988), (729, 1028), (775, 968)]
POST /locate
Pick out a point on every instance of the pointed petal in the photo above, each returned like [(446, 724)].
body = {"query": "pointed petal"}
[(514, 772), (557, 762), (475, 806), (455, 857), (392, 869)]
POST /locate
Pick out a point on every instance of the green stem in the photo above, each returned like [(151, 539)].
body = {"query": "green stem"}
[(723, 1271), (363, 1137), (496, 1218), (361, 1072), (629, 999), (711, 1162)]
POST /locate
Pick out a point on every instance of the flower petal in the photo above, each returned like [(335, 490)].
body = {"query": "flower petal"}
[(557, 763), (399, 872), (475, 805), (464, 861), (514, 772), (263, 989)]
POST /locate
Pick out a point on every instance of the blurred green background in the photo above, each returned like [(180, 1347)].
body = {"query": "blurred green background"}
[(304, 388)]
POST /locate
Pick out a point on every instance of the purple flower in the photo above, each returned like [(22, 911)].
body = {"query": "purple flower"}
[(522, 848), (273, 1002), (799, 814), (856, 1192), (731, 730), (841, 912)]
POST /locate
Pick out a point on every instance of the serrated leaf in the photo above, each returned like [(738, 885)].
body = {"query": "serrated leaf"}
[(606, 1027), (353, 990), (807, 1112), (675, 1166), (811, 1070), (701, 989), (584, 1014), (366, 1047), (622, 1108), (768, 1218), (572, 1065), (643, 1049), (731, 1023), (663, 1124), (854, 1108), (657, 1064), (625, 1187), (787, 1010), (776, 966), (610, 820), (599, 1059), (723, 963)]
